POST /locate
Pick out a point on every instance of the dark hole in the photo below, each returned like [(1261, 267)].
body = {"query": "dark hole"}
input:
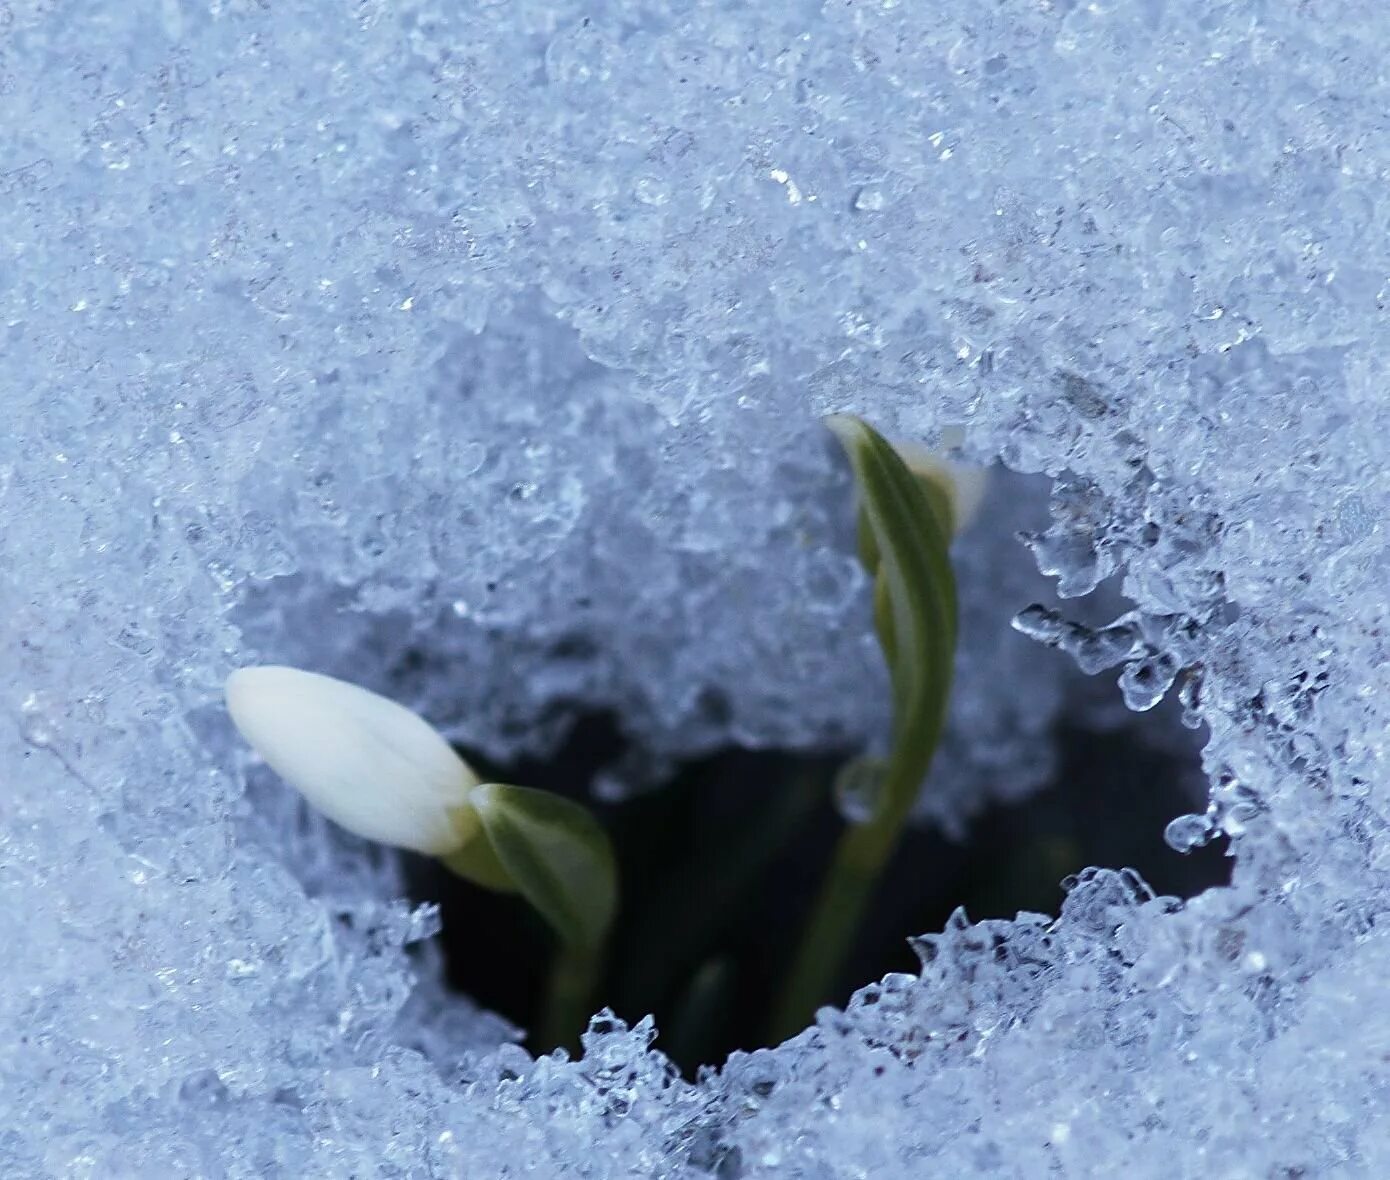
[(705, 935)]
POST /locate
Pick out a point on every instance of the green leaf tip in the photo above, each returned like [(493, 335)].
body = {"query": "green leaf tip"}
[(554, 853)]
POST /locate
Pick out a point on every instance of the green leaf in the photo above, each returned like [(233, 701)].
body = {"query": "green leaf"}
[(905, 526), (939, 497), (555, 855), (883, 623), (868, 546), (477, 862)]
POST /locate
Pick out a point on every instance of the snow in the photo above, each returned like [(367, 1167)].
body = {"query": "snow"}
[(476, 352)]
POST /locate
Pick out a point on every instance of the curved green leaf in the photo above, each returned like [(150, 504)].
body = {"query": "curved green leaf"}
[(940, 500), (555, 855), (477, 862), (905, 529), (868, 546)]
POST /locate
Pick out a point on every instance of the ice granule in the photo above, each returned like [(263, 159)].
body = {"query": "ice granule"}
[(477, 350)]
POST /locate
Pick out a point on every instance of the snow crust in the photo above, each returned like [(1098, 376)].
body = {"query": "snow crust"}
[(476, 351)]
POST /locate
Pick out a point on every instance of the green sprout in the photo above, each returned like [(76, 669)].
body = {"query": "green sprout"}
[(905, 525), (383, 772)]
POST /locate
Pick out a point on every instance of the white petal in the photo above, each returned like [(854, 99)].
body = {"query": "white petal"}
[(964, 483), (367, 763)]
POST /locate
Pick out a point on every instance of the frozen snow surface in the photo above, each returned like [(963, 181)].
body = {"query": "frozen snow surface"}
[(476, 349)]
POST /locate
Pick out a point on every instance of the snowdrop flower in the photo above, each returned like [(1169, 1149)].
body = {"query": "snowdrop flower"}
[(963, 483), (367, 763)]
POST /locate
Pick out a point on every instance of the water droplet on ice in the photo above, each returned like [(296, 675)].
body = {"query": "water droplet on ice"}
[(652, 190), (869, 199), (1095, 651), (1040, 623), (1188, 832), (858, 789), (204, 1088), (1143, 684)]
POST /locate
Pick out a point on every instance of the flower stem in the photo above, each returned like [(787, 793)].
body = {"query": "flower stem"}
[(569, 995), (860, 856)]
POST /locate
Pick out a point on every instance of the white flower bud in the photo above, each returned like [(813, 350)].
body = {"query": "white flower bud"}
[(964, 483), (367, 763)]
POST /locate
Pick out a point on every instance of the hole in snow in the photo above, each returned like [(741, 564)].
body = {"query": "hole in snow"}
[(690, 924), (1117, 781)]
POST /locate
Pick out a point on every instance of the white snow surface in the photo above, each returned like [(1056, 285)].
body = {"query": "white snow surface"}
[(475, 350)]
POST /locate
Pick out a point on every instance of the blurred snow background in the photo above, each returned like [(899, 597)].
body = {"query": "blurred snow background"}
[(475, 350)]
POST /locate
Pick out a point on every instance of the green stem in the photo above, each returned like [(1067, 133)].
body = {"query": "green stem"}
[(569, 996), (860, 856)]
